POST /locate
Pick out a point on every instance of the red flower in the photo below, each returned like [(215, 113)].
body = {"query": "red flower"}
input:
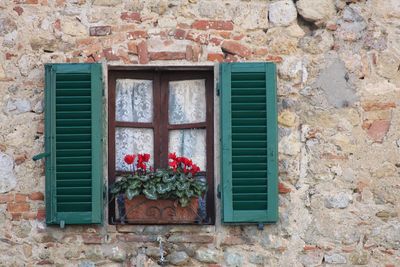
[(146, 157), (129, 159), (195, 169), (172, 156)]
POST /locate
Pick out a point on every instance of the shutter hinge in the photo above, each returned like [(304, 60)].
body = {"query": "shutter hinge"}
[(218, 89), (218, 191)]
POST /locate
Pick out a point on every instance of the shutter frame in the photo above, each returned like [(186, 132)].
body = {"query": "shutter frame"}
[(95, 214), (229, 214)]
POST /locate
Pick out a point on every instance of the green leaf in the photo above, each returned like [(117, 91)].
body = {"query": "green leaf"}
[(184, 201), (168, 178), (131, 193), (163, 188), (144, 178), (150, 193), (135, 184)]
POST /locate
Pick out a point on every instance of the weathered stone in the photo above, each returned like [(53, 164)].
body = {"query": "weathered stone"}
[(73, 27), (335, 259), (282, 13), (287, 118), (7, 25), (338, 201), (359, 257), (257, 259), (46, 44), (334, 81), (178, 258), (290, 145), (19, 105), (118, 254), (293, 69), (26, 63), (233, 258), (207, 255), (23, 230), (319, 42), (8, 180), (388, 65), (249, 16), (316, 10), (312, 258), (100, 30), (86, 264), (188, 238), (107, 2)]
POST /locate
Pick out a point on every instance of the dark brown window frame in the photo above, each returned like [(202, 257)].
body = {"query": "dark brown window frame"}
[(160, 125)]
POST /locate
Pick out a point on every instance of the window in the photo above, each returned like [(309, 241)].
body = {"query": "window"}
[(159, 111)]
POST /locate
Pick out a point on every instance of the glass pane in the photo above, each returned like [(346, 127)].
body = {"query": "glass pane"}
[(132, 141), (189, 143), (134, 100), (187, 101)]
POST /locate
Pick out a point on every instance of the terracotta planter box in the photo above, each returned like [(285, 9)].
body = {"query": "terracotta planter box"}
[(141, 210)]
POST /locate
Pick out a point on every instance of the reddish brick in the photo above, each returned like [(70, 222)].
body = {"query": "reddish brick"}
[(332, 156), (36, 196), (223, 34), (137, 238), (196, 52), (19, 159), (331, 26), (213, 24), (189, 52), (378, 130), (21, 197), (100, 30), (45, 262), (92, 239), (143, 53), (198, 37), (122, 54), (216, 41), (110, 55), (5, 198), (215, 57), (29, 2), (283, 189), (238, 37), (57, 24), (372, 106), (41, 214), (131, 16), (137, 34), (18, 207), (233, 241), (29, 215), (235, 48), (183, 26), (167, 55), (132, 48), (276, 59), (348, 249), (190, 238), (310, 248), (231, 58), (16, 216), (180, 34), (261, 51), (19, 10), (9, 56)]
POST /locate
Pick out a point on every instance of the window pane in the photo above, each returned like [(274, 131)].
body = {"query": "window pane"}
[(189, 143), (132, 141), (134, 100), (187, 101)]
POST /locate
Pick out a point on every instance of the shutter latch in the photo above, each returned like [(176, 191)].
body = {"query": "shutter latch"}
[(218, 191), (40, 156)]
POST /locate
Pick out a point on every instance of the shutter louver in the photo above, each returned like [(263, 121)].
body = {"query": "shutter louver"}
[(249, 143), (73, 125)]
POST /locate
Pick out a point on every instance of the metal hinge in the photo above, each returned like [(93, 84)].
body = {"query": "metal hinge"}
[(218, 191), (218, 89)]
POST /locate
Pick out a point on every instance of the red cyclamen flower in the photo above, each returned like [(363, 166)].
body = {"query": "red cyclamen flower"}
[(129, 159)]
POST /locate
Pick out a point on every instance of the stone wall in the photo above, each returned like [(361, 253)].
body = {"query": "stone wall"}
[(339, 84)]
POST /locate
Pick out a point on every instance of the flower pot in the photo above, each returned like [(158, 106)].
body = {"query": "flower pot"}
[(141, 210)]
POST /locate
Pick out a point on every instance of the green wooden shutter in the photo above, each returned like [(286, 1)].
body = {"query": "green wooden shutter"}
[(73, 143), (249, 174)]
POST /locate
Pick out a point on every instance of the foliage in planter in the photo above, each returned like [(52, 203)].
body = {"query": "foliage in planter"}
[(178, 182)]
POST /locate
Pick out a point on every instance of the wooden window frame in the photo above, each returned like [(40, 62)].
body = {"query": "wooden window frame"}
[(160, 125)]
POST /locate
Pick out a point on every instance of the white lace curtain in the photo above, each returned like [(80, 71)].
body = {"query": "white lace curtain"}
[(187, 104)]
